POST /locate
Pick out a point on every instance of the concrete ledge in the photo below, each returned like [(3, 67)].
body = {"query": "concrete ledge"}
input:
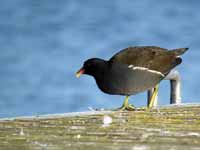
[(166, 127)]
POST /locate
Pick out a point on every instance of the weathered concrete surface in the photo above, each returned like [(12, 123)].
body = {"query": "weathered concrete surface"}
[(176, 127)]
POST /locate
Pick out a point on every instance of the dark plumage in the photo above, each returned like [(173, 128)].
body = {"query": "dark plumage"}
[(132, 70)]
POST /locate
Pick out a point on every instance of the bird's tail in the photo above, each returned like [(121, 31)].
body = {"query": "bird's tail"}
[(178, 51)]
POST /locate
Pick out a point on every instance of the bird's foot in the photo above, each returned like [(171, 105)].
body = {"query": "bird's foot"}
[(143, 108), (128, 107), (131, 107)]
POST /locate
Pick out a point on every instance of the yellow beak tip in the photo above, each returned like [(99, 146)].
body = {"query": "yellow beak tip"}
[(80, 72), (78, 75)]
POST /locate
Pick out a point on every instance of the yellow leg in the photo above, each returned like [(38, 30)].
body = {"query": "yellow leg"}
[(126, 105), (155, 93)]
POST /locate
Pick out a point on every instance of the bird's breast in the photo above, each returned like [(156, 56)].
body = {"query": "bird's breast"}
[(123, 80)]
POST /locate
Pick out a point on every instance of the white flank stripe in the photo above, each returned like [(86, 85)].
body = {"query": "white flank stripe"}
[(147, 69), (157, 72), (140, 68), (130, 66)]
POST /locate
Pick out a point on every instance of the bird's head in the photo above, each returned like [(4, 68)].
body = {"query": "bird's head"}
[(93, 67)]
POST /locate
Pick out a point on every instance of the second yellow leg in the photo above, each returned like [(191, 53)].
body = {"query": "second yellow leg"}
[(155, 93)]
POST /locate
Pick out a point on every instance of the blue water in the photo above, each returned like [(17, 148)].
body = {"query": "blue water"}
[(43, 44)]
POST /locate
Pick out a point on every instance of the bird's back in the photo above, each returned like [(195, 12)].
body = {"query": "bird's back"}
[(151, 57)]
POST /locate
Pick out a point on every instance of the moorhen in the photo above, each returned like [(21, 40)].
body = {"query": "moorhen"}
[(132, 70)]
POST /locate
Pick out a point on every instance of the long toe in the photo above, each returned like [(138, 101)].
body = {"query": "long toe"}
[(128, 107)]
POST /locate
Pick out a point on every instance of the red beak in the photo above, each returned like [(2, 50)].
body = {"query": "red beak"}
[(80, 72)]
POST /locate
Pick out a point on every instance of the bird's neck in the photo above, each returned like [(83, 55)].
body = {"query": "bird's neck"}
[(101, 70)]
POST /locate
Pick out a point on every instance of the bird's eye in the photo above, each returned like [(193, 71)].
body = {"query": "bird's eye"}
[(89, 64)]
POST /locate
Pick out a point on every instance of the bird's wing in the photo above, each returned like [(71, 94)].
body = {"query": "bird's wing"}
[(151, 57)]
